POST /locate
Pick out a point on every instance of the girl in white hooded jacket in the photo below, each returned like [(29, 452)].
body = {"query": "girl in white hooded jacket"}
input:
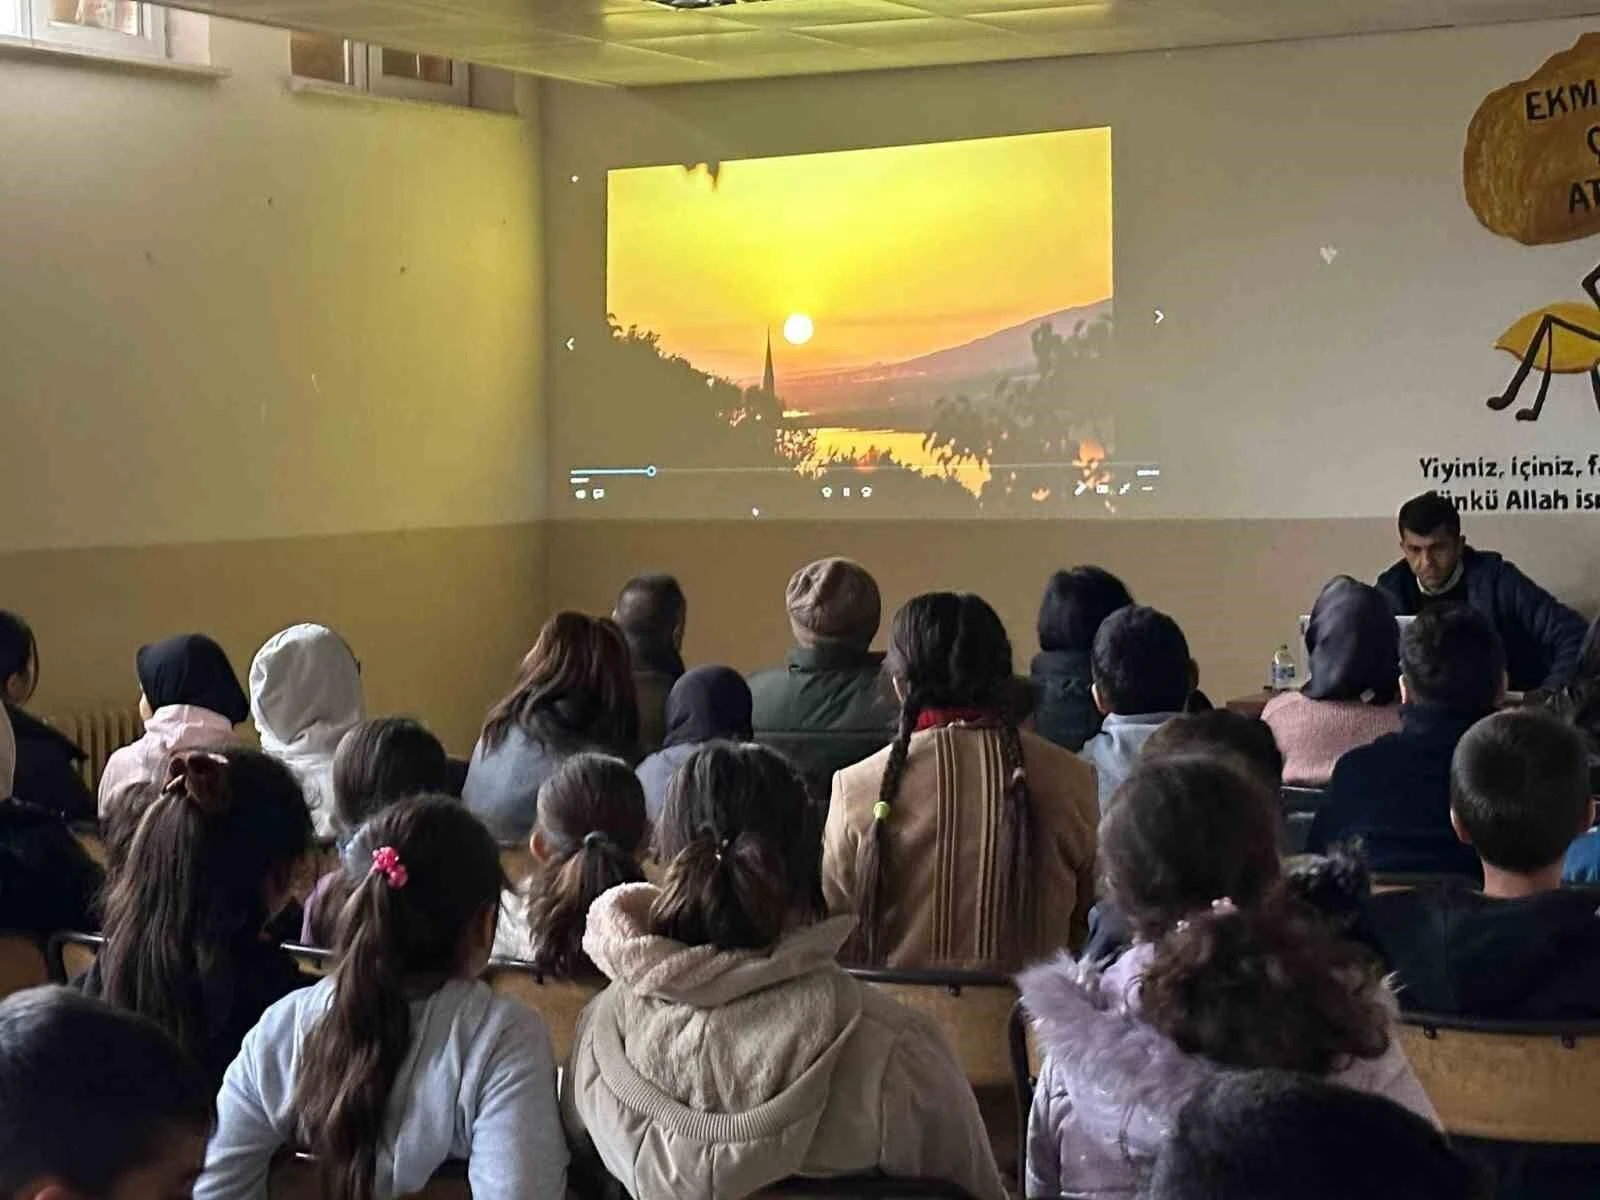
[(731, 1051), (305, 695)]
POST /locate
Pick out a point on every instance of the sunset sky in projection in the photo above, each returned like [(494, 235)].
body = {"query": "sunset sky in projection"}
[(892, 252)]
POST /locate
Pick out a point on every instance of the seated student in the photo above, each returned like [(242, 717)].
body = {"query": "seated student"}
[(378, 763), (1352, 695), (210, 864), (653, 613), (1143, 677), (731, 1050), (47, 760), (967, 843), (1075, 603), (402, 1058), (1394, 795), (95, 1102), (707, 704), (574, 693), (190, 699), (47, 881), (1247, 744), (592, 831), (1275, 1135), (305, 695), (1229, 973), (1578, 703), (1522, 949), (826, 708)]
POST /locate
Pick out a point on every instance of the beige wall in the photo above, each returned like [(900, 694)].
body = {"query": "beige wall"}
[(282, 355), (1281, 384)]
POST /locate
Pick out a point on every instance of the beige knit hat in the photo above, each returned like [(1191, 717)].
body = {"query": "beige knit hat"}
[(834, 600)]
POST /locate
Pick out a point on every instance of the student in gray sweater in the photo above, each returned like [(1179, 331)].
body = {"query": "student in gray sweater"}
[(401, 1059)]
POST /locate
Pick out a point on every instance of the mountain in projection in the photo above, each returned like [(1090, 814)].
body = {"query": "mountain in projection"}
[(972, 368)]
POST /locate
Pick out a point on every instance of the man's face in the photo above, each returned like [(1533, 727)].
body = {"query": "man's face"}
[(1432, 557)]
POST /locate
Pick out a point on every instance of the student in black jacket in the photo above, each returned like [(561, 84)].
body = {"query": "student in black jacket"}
[(1541, 635), (1393, 796), (1075, 603), (1522, 949), (47, 760)]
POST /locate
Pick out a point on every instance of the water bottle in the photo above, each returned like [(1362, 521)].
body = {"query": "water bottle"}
[(1281, 677)]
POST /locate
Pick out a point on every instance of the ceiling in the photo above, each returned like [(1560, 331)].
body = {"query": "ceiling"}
[(639, 42)]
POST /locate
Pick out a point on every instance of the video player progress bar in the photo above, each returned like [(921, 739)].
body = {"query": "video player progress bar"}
[(1143, 470)]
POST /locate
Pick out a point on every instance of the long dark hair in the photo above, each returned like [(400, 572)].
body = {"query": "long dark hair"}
[(592, 816), (1242, 973), (743, 848), (950, 650), (226, 825), (404, 926), (575, 686)]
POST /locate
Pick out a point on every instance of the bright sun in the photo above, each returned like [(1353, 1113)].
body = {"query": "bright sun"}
[(797, 329)]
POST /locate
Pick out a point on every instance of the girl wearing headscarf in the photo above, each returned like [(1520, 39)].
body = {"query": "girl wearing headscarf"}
[(707, 704), (305, 695), (1352, 695), (190, 699), (47, 760)]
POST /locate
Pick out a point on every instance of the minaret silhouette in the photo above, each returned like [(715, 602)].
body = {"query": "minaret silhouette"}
[(769, 382)]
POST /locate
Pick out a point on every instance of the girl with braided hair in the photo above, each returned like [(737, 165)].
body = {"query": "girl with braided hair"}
[(967, 843)]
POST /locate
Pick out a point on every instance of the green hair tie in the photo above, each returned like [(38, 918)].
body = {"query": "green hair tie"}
[(880, 811)]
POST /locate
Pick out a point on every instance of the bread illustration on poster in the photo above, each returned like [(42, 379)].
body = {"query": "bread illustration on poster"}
[(1532, 173)]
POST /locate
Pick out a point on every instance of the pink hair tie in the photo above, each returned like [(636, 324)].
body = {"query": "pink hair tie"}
[(386, 861)]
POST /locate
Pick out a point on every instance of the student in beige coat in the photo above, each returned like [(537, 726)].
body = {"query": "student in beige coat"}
[(731, 1051), (967, 843)]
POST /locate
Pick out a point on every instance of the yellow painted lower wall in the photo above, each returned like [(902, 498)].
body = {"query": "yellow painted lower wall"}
[(439, 618)]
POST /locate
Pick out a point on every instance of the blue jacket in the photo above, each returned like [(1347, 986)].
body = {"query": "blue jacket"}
[(1064, 709), (1394, 796), (1542, 636)]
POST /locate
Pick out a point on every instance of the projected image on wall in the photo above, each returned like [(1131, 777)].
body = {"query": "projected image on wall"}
[(914, 328)]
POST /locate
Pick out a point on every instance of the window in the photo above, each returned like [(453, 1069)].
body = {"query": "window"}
[(377, 69), (118, 28)]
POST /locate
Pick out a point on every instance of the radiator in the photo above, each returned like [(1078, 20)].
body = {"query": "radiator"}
[(100, 734)]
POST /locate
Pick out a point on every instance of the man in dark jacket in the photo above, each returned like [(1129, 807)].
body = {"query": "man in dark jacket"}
[(1522, 949), (1393, 796), (652, 613), (1541, 635), (827, 708)]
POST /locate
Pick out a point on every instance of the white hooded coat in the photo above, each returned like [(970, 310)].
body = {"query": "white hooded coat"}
[(305, 695), (702, 1073)]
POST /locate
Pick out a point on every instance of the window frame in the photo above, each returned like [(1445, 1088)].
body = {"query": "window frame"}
[(366, 76), (154, 41)]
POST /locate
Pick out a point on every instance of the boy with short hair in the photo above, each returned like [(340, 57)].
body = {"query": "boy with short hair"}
[(1142, 679), (95, 1102), (1522, 948)]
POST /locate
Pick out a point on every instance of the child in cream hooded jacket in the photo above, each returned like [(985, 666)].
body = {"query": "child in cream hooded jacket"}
[(707, 1073)]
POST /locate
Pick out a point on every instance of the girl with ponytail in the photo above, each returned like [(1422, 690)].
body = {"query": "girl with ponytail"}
[(591, 834), (1229, 971), (210, 861), (968, 842), (402, 1058), (730, 1050)]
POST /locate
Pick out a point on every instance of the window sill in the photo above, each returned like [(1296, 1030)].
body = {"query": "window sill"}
[(342, 91), (22, 47)]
